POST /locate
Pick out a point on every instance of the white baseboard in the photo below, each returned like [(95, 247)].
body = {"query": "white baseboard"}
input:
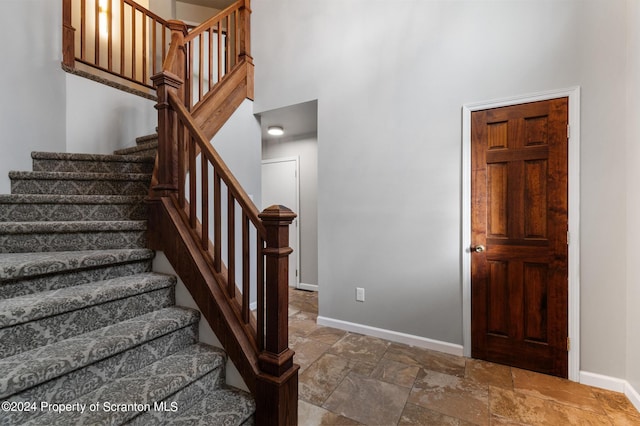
[(633, 395), (394, 336), (601, 381), (308, 287), (612, 384)]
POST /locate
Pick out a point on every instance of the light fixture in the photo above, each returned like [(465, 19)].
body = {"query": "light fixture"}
[(275, 130)]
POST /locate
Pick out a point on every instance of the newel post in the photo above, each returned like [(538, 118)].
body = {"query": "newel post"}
[(171, 79), (68, 36), (277, 385), (245, 45)]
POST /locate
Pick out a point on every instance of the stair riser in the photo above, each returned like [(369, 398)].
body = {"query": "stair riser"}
[(32, 212), (79, 382), (48, 330), (40, 165), (29, 243), (72, 278), (79, 187)]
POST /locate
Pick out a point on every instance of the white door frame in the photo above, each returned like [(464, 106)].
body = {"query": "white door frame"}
[(573, 93), (294, 229)]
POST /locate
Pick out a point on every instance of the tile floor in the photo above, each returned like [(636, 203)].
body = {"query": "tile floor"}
[(350, 379)]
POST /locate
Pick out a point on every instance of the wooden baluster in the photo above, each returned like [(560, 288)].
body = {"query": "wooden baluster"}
[(277, 387), (193, 201), (200, 67), (260, 290), (204, 238), (231, 244), (217, 223), (68, 36), (122, 37), (246, 270), (96, 35), (109, 13), (219, 50), (210, 32), (144, 49), (133, 43)]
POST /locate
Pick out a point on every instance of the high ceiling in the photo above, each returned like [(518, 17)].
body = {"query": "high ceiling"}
[(216, 4)]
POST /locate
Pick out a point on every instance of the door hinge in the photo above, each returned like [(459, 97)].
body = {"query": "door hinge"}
[(568, 131), (568, 344)]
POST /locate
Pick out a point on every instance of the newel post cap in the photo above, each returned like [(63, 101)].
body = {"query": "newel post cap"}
[(277, 213)]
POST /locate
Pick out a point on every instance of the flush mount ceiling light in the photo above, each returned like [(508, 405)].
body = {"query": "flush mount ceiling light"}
[(275, 130)]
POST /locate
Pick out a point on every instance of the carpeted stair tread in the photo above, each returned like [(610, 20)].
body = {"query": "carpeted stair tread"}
[(28, 369), (10, 228), (19, 310), (23, 237), (69, 199), (67, 162), (79, 183), (153, 137), (78, 176), (65, 156), (50, 207), (145, 150), (148, 385), (14, 266)]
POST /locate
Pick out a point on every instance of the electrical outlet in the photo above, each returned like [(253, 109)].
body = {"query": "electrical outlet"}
[(359, 294)]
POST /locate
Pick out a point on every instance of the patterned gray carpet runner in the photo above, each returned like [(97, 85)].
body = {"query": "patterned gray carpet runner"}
[(88, 334)]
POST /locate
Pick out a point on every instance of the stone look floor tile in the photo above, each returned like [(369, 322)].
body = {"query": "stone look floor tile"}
[(361, 348), (429, 360), (396, 373), (350, 379), (555, 388), (527, 409), (307, 351), (368, 400), (488, 373), (327, 335), (318, 381), (452, 395), (303, 322), (311, 415), (420, 416), (618, 407)]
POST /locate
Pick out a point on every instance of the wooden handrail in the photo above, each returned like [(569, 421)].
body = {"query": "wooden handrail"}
[(212, 232), (119, 37)]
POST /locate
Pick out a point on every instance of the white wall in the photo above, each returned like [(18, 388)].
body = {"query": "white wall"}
[(633, 196), (101, 119), (192, 13), (390, 83), (306, 148), (32, 111)]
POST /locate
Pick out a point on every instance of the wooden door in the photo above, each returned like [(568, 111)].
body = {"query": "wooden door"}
[(519, 225)]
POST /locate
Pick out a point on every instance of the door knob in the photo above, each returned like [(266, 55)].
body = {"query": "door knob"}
[(479, 249)]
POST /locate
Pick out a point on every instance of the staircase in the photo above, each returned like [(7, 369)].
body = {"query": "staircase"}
[(83, 320)]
